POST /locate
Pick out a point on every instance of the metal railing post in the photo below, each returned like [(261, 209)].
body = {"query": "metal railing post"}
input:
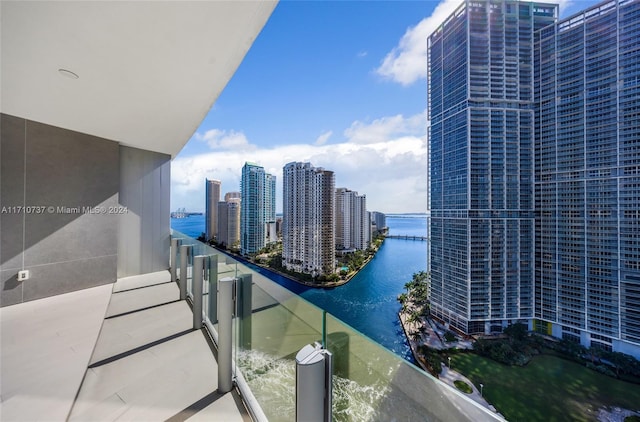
[(314, 372), (199, 263), (244, 295), (213, 288), (175, 244), (225, 320), (185, 254)]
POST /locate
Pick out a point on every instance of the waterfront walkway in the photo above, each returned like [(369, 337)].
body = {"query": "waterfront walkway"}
[(449, 376), (431, 334)]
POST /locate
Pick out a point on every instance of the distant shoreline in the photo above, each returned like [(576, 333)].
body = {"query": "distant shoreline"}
[(324, 285)]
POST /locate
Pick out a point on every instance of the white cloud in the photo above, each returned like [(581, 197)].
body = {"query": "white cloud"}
[(322, 139), (391, 170), (224, 140), (407, 62), (362, 54), (386, 128)]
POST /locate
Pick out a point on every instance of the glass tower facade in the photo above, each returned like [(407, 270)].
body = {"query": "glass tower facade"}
[(270, 208), (534, 165), (252, 209), (481, 163), (587, 190)]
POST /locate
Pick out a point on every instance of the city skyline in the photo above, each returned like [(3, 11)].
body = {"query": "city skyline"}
[(339, 84)]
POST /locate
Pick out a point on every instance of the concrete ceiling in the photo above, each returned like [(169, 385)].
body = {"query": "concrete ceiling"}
[(148, 71)]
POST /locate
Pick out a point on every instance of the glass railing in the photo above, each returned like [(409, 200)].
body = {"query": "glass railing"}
[(370, 383)]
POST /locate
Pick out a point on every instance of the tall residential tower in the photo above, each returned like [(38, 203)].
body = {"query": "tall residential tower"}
[(229, 220), (587, 177), (533, 170), (270, 208), (308, 228), (212, 188), (353, 226), (481, 162), (257, 204)]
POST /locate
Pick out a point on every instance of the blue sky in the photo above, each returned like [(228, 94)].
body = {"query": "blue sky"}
[(341, 84)]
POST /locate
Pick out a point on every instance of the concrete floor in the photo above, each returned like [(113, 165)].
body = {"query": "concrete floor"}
[(45, 349), (125, 351)]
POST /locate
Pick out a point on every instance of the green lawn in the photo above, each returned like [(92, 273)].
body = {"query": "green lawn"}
[(463, 386), (547, 389)]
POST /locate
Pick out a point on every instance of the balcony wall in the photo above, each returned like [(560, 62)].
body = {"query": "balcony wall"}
[(143, 233), (76, 210), (60, 174)]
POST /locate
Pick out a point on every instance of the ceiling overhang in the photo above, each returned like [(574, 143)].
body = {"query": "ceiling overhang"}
[(147, 72)]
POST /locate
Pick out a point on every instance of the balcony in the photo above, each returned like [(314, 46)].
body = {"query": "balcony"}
[(138, 353), (369, 382)]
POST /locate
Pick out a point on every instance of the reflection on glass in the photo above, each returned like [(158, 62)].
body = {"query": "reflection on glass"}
[(370, 383)]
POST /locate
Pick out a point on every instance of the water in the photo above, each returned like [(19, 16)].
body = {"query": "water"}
[(192, 226), (368, 302), (273, 381)]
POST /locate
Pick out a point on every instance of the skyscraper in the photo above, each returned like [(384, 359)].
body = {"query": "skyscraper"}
[(353, 229), (229, 196), (511, 90), (481, 147), (270, 208), (379, 220), (587, 177), (308, 228), (257, 207), (252, 209), (229, 220), (212, 188)]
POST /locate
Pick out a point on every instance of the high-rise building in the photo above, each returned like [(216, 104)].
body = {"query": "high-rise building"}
[(353, 230), (212, 188), (229, 220), (362, 223), (343, 218), (257, 213), (252, 222), (481, 146), (270, 208), (229, 196), (587, 177), (308, 228), (379, 220), (533, 170)]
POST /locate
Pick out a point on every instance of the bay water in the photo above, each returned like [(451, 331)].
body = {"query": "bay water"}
[(368, 302)]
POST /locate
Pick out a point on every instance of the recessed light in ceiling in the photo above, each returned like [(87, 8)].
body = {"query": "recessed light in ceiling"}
[(68, 74)]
